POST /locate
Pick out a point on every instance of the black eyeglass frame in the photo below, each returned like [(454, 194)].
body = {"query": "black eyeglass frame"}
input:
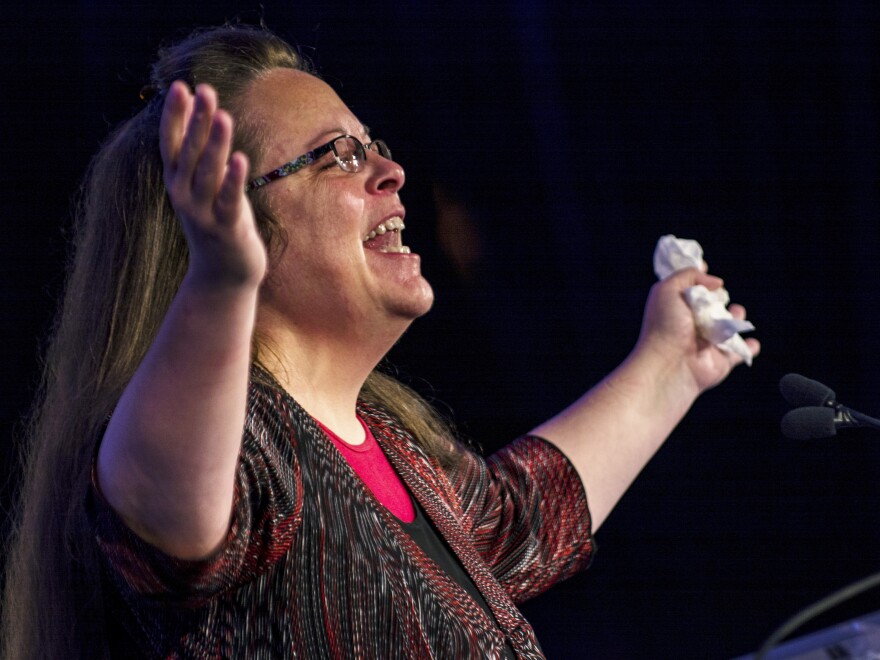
[(377, 146)]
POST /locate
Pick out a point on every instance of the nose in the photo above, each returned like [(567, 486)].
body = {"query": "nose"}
[(385, 175)]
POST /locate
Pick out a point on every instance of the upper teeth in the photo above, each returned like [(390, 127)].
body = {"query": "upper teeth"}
[(391, 224)]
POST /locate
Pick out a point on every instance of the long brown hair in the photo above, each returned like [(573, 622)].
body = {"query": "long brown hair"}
[(128, 257)]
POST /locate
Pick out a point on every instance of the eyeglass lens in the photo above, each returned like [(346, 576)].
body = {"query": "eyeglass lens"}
[(351, 155)]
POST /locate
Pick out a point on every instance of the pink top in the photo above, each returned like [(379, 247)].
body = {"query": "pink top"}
[(371, 465)]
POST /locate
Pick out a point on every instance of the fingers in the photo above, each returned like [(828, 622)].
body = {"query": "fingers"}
[(196, 134), (230, 196), (737, 311), (195, 140), (197, 130), (711, 282), (687, 277), (211, 159), (172, 127), (754, 346)]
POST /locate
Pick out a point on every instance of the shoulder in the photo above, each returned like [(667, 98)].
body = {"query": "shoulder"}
[(270, 407)]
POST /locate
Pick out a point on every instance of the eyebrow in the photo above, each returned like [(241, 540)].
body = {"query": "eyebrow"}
[(338, 130)]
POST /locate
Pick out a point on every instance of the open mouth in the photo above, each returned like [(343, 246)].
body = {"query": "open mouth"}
[(386, 237)]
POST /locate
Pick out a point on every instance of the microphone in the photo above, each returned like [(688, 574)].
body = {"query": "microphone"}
[(801, 391), (809, 423), (817, 413)]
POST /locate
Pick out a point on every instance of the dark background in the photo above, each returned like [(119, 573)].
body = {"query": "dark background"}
[(547, 147)]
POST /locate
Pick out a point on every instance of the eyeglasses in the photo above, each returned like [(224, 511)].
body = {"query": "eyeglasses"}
[(349, 152)]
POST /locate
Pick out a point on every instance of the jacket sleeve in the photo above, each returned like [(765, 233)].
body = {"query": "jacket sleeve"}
[(528, 515), (266, 514)]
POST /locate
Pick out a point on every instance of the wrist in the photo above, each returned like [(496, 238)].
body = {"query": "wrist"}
[(659, 369), (227, 302), (220, 283)]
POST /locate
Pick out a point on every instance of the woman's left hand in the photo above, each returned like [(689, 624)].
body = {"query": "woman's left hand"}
[(669, 331)]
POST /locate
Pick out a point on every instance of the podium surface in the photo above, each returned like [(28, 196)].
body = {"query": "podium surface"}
[(856, 639)]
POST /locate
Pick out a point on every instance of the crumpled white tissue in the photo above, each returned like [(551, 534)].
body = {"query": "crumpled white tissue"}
[(713, 320)]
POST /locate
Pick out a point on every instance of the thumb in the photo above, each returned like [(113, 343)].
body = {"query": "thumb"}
[(692, 276)]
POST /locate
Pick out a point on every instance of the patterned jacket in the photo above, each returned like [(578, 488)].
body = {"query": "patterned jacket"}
[(315, 567)]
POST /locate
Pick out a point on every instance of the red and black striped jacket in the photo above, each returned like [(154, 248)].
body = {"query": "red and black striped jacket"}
[(315, 567)]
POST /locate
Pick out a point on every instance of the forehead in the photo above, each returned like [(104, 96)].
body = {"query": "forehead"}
[(296, 112)]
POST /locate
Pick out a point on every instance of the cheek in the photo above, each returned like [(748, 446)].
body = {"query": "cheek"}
[(321, 205), (318, 253), (324, 221)]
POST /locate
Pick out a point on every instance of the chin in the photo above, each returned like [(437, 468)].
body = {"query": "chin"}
[(417, 304)]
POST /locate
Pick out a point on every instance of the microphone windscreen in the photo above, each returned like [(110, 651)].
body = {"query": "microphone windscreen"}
[(809, 423), (801, 391)]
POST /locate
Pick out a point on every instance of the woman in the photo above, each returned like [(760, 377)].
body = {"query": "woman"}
[(217, 468)]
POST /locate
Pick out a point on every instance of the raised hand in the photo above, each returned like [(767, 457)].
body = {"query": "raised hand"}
[(168, 458), (668, 329), (205, 184)]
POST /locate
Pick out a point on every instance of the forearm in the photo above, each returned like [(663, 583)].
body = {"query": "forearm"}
[(611, 432), (168, 457)]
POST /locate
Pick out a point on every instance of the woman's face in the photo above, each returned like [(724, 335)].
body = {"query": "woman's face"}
[(331, 276)]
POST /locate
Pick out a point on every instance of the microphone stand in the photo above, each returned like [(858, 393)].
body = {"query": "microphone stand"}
[(803, 390), (846, 417), (814, 610)]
